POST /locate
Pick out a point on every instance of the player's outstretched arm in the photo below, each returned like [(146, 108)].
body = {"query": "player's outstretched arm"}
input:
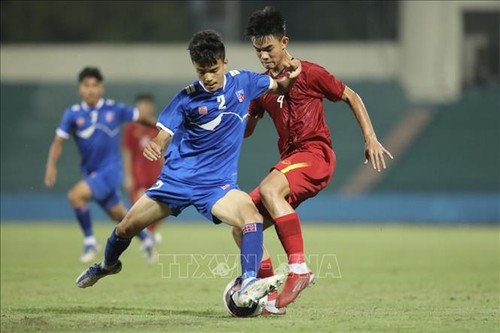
[(54, 153), (153, 151), (127, 169), (374, 151)]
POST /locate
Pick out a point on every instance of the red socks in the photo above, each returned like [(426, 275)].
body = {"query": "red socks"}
[(266, 269), (290, 234)]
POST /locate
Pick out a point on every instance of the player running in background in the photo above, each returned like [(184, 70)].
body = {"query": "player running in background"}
[(307, 160), (140, 173), (95, 125), (204, 124)]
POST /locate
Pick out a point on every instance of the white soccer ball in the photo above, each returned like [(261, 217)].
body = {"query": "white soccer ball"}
[(237, 311)]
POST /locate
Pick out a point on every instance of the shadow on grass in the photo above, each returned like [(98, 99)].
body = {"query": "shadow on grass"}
[(113, 310)]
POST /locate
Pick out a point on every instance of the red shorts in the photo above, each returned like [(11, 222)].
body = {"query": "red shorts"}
[(307, 171)]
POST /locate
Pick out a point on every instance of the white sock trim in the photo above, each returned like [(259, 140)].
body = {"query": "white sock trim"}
[(298, 268)]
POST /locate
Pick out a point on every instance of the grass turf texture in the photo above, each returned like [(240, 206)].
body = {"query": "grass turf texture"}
[(393, 279)]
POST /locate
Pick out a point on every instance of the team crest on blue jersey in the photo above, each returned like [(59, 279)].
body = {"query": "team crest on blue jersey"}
[(109, 117), (80, 121), (202, 110), (241, 95)]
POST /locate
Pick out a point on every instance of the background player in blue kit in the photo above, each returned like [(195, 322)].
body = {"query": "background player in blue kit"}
[(204, 124), (95, 125)]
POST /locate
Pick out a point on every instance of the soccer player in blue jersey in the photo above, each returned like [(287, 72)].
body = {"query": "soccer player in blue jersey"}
[(95, 125), (204, 124)]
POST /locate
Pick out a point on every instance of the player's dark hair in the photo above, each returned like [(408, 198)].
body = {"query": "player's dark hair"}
[(206, 47), (265, 22), (144, 97), (90, 72)]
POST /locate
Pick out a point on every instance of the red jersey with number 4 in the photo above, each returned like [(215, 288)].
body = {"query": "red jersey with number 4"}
[(144, 172), (299, 115)]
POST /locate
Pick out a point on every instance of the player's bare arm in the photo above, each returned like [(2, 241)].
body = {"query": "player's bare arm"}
[(153, 151), (54, 153), (127, 169), (251, 124), (282, 85), (374, 151)]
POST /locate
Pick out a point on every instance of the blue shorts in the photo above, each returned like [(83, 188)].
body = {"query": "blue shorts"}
[(178, 196), (105, 186)]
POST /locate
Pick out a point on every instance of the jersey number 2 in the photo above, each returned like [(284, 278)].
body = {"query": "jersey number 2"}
[(222, 102)]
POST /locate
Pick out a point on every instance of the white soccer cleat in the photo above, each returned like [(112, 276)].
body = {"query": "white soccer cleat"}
[(96, 272), (253, 289)]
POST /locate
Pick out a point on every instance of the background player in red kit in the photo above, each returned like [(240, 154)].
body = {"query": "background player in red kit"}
[(307, 160), (140, 173)]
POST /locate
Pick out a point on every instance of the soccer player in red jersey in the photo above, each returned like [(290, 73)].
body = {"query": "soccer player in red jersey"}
[(140, 173), (307, 160)]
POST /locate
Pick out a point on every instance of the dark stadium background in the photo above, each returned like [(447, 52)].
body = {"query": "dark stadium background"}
[(438, 108)]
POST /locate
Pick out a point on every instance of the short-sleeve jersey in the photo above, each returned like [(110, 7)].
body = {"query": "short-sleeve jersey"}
[(135, 138), (299, 115), (97, 132), (208, 127)]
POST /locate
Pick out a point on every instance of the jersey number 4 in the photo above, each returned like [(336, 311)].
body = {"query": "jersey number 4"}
[(280, 100)]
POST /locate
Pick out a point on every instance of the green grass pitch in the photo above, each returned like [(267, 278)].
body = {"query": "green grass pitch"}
[(383, 278)]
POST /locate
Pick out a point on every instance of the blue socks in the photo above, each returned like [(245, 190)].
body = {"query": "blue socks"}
[(83, 217), (251, 249), (114, 248)]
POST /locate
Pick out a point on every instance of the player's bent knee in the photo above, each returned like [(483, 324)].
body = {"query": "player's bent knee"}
[(117, 215), (268, 193), (125, 231), (127, 228), (74, 198), (69, 196)]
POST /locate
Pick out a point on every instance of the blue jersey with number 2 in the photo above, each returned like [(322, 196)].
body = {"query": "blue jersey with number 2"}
[(208, 128)]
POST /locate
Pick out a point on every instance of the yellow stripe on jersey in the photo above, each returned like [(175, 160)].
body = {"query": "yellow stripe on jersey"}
[(294, 166)]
